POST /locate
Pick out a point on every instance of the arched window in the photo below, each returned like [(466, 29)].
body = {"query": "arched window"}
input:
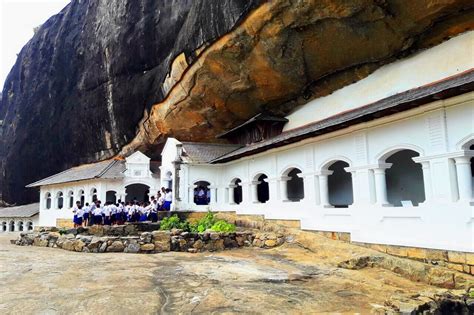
[(82, 197), (29, 226), (169, 180), (20, 226), (471, 148), (111, 196), (11, 226), (70, 196), (60, 198), (48, 200), (235, 194), (262, 190), (340, 185), (294, 185), (4, 226), (93, 194), (202, 193), (404, 179)]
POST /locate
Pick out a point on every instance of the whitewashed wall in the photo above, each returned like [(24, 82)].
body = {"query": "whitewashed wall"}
[(447, 59), (436, 131)]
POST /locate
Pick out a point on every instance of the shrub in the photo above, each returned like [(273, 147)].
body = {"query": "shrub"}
[(223, 226), (173, 222)]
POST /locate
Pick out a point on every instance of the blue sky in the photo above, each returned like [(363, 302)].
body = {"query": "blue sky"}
[(18, 18)]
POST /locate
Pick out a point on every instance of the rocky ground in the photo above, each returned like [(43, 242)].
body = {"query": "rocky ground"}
[(292, 278)]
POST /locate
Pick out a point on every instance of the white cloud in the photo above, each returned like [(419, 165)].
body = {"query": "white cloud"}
[(18, 18)]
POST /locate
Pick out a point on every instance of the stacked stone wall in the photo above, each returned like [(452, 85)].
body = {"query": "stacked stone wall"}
[(145, 238)]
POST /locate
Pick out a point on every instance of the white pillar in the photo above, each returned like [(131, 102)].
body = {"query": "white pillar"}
[(213, 200), (381, 185), (284, 188), (254, 191), (273, 185), (323, 187), (246, 193), (231, 194), (427, 180), (311, 188), (463, 172)]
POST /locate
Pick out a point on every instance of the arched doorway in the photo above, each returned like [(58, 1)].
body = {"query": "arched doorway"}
[(340, 185), (20, 226), (294, 185), (236, 193), (4, 226), (70, 197), (202, 193), (82, 197), (94, 195), (11, 226), (111, 196), (48, 200), (137, 192), (29, 226), (60, 199), (404, 179), (263, 192)]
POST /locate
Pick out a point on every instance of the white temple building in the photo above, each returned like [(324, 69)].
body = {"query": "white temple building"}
[(388, 159)]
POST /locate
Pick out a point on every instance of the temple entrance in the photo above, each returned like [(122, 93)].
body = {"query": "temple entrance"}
[(237, 191), (404, 179), (137, 192), (202, 194), (340, 185), (111, 196), (263, 192), (295, 185)]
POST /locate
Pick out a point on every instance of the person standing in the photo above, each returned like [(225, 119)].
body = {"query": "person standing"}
[(86, 210), (168, 200)]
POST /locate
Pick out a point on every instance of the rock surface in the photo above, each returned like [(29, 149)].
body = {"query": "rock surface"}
[(286, 279), (101, 70), (83, 82)]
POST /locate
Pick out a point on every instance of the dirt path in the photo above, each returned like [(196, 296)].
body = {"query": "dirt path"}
[(289, 279)]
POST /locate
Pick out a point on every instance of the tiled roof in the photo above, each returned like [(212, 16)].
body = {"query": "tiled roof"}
[(194, 152), (25, 211), (449, 87), (109, 169)]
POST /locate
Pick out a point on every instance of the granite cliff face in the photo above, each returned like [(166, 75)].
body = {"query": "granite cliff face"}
[(108, 77), (81, 85)]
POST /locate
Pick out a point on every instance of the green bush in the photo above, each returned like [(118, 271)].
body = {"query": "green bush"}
[(173, 222), (208, 222), (223, 226)]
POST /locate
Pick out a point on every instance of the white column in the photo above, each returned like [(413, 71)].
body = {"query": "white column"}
[(311, 188), (231, 194), (427, 180), (213, 200), (381, 185), (463, 172), (273, 185), (284, 188), (246, 193), (323, 188), (254, 191)]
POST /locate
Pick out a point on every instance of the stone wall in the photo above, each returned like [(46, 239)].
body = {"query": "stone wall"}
[(145, 238)]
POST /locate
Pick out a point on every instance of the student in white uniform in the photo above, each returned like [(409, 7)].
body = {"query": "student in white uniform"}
[(86, 210), (98, 214), (75, 209), (80, 214)]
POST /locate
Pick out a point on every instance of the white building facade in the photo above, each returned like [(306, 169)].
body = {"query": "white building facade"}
[(113, 180), (401, 178), (388, 159)]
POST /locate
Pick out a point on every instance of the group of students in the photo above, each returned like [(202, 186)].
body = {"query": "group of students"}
[(112, 213)]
